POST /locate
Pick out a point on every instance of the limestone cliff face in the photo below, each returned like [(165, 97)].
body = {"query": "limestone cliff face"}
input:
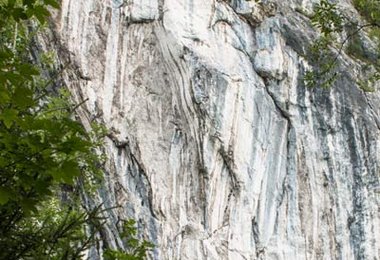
[(216, 146)]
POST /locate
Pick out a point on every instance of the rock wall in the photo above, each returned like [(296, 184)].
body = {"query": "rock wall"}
[(216, 146)]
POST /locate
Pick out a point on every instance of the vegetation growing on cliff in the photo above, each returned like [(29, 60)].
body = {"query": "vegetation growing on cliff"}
[(326, 50), (47, 159)]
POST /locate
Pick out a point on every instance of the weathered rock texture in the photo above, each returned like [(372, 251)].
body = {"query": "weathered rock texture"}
[(216, 146)]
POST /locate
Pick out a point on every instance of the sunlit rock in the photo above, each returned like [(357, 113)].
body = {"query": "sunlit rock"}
[(216, 147)]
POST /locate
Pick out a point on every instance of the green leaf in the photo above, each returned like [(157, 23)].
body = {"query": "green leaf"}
[(5, 195), (70, 171), (41, 13), (28, 3), (23, 97), (19, 14), (28, 70), (66, 173), (4, 96), (12, 77), (28, 205), (5, 53), (42, 187), (52, 3), (8, 116), (11, 3)]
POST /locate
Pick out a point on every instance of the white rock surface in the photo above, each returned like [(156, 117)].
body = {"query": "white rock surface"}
[(217, 148)]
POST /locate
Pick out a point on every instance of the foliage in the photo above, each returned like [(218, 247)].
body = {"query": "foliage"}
[(367, 85), (135, 249), (355, 47), (369, 9), (331, 23), (43, 151), (328, 20), (322, 59), (54, 232)]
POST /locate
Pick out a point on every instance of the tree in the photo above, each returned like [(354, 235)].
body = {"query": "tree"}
[(44, 152), (326, 50)]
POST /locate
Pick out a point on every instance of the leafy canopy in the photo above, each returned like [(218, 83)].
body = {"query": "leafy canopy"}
[(325, 52), (44, 152)]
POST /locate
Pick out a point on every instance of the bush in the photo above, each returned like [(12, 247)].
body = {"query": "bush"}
[(44, 152)]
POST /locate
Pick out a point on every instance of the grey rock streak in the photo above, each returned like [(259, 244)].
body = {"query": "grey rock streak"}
[(215, 145)]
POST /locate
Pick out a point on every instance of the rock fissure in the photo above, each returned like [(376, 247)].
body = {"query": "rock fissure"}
[(222, 135)]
